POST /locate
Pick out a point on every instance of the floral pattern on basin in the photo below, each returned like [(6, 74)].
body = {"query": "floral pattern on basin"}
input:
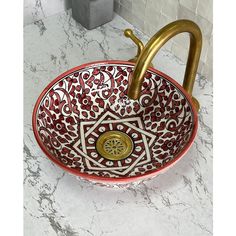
[(83, 103)]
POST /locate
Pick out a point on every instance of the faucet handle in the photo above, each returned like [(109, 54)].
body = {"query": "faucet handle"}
[(129, 34)]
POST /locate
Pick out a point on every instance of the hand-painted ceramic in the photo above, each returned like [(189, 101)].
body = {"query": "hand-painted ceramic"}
[(83, 103)]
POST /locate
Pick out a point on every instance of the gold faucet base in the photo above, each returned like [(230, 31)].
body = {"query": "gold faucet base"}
[(114, 145), (196, 103)]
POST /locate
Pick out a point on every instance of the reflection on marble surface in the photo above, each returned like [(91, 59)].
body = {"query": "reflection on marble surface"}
[(178, 202)]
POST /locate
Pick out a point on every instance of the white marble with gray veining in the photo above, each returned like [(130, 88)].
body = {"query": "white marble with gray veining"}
[(36, 10), (176, 203)]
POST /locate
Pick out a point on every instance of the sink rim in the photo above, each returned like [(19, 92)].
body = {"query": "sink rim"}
[(112, 179)]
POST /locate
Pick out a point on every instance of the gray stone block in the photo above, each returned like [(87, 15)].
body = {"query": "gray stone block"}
[(92, 13)]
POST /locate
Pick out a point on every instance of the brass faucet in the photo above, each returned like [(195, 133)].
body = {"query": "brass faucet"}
[(146, 54)]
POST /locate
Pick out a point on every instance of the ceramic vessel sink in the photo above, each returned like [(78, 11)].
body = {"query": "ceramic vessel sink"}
[(86, 124)]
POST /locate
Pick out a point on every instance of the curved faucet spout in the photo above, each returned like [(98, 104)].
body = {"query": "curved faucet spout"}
[(154, 45)]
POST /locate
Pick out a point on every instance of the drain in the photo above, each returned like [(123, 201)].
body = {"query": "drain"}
[(114, 145)]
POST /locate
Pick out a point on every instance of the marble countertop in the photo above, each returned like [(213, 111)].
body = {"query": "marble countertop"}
[(178, 202)]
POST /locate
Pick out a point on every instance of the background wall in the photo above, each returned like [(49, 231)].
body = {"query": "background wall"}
[(151, 15)]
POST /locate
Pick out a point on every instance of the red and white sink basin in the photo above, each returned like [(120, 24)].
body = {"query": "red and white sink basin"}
[(88, 100)]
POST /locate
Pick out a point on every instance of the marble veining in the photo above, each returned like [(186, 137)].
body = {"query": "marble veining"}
[(178, 202), (36, 10)]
